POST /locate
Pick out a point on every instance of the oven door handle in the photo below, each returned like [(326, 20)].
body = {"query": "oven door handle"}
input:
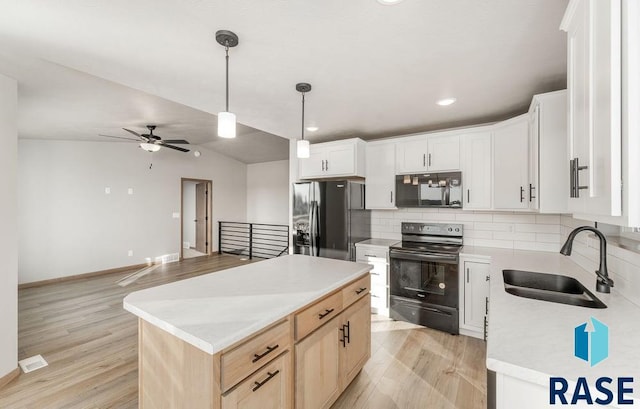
[(440, 258)]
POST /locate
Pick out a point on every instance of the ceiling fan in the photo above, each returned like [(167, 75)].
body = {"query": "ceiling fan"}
[(152, 143)]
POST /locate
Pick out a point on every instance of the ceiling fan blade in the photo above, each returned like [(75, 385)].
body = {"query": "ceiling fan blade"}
[(178, 141), (120, 137), (174, 147), (135, 133)]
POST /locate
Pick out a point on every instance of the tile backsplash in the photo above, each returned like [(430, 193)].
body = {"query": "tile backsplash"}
[(623, 265), (511, 230)]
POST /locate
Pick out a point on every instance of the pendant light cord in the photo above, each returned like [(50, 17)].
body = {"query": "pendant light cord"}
[(226, 49), (303, 116)]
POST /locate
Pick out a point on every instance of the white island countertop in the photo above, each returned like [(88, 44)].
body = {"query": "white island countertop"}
[(533, 340), (213, 311)]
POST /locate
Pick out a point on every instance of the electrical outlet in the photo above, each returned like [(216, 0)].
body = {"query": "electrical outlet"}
[(176, 215), (130, 253)]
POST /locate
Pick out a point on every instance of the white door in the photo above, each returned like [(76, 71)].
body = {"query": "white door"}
[(313, 166), (411, 156), (476, 293), (380, 176), (340, 160), (477, 171), (511, 165), (444, 153)]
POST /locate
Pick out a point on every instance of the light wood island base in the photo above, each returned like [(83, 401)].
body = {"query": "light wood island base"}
[(304, 360)]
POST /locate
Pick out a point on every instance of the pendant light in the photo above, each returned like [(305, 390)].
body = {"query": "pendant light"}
[(226, 119), (302, 150)]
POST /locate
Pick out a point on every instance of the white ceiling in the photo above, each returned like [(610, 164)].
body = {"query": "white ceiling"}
[(376, 70)]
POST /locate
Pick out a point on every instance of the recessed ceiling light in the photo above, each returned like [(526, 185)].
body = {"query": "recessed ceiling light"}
[(312, 128), (389, 2), (446, 101)]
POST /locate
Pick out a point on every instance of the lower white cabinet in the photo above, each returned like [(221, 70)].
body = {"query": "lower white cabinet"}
[(474, 277), (378, 257)]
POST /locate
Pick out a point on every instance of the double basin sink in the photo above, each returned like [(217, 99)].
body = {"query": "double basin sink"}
[(549, 287)]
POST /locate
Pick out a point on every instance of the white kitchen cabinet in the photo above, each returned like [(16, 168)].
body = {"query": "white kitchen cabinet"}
[(594, 78), (434, 153), (511, 164), (476, 170), (548, 189), (474, 292), (343, 158), (380, 178), (376, 253)]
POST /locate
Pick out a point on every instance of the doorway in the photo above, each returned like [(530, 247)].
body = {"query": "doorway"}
[(195, 218)]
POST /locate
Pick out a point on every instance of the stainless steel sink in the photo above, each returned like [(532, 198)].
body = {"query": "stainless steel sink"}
[(549, 287)]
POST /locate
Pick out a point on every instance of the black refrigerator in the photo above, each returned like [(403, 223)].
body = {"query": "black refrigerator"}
[(329, 218)]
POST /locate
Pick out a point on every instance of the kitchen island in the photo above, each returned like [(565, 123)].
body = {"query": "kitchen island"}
[(235, 338)]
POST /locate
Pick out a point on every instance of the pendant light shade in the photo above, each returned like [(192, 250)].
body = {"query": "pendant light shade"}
[(226, 119), (150, 147), (226, 125), (302, 147)]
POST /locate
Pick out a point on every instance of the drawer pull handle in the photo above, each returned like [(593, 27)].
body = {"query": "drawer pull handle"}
[(262, 355), (362, 289), (326, 312), (370, 255), (259, 384), (375, 274)]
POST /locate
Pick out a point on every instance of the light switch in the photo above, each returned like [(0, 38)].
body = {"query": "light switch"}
[(176, 215), (130, 191), (130, 253), (107, 190)]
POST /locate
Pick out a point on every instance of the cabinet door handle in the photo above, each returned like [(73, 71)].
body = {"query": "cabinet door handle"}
[(485, 327), (348, 334), (429, 160), (326, 312), (323, 165), (326, 166), (344, 338), (259, 384), (575, 168), (270, 349), (467, 275), (531, 189), (488, 278), (391, 197), (468, 196), (361, 290), (486, 305), (424, 159), (521, 194)]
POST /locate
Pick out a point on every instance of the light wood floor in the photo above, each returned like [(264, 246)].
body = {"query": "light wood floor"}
[(90, 343)]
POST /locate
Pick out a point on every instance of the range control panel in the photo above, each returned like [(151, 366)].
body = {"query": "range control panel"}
[(433, 229)]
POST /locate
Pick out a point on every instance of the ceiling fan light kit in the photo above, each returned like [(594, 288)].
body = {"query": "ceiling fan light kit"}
[(226, 119), (302, 146), (150, 147)]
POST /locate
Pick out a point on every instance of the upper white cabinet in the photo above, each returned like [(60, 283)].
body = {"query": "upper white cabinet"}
[(595, 97), (476, 170), (548, 189), (380, 175), (334, 159), (428, 153), (511, 164)]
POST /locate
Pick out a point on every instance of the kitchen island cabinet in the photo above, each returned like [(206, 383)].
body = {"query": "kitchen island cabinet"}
[(233, 338)]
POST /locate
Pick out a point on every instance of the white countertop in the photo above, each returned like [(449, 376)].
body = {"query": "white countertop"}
[(378, 242), (214, 311), (533, 340)]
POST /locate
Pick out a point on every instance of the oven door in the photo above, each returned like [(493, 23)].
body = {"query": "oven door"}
[(425, 277)]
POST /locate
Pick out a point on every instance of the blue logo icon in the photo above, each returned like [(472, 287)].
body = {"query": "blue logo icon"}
[(591, 344)]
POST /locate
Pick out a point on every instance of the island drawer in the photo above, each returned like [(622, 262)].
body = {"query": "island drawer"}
[(268, 388), (317, 314), (356, 290), (246, 358)]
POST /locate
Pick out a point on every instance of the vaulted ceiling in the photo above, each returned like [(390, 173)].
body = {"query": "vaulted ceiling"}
[(376, 70)]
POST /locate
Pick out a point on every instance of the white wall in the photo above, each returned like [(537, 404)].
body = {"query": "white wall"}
[(268, 192), (511, 230), (68, 225), (8, 226), (189, 212)]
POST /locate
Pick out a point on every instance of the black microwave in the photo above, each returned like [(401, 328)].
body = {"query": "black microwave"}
[(429, 190)]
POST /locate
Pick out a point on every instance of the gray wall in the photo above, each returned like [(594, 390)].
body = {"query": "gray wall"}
[(68, 225), (268, 192), (8, 226)]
